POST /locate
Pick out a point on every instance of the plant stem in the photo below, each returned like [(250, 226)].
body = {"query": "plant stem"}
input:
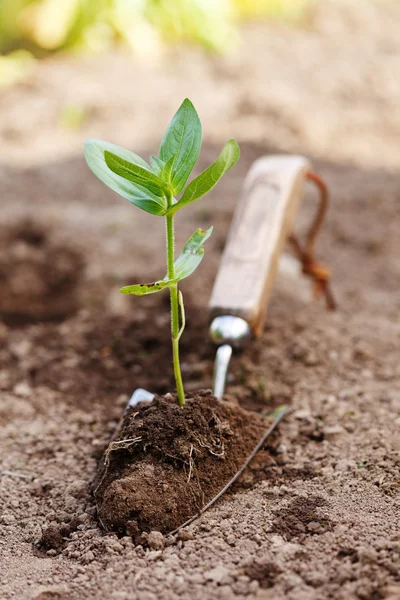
[(174, 309)]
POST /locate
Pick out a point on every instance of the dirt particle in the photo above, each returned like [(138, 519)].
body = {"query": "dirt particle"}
[(155, 540), (315, 527), (333, 432), (78, 488), (217, 574), (184, 535), (51, 539), (88, 557)]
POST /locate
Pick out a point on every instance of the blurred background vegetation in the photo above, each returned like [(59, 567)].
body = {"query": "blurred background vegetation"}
[(33, 29)]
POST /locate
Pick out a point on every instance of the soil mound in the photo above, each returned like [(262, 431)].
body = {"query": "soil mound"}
[(167, 462)]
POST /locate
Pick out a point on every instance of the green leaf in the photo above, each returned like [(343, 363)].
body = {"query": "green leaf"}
[(185, 264), (135, 173), (157, 164), (182, 139), (204, 182), (192, 254), (162, 169), (136, 193), (166, 173), (141, 289)]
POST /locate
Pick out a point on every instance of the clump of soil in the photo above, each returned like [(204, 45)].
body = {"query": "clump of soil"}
[(302, 516), (167, 462), (54, 537), (39, 277), (263, 570)]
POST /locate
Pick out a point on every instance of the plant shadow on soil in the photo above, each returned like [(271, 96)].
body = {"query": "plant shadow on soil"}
[(92, 357)]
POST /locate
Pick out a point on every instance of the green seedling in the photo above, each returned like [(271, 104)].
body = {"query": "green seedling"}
[(154, 188)]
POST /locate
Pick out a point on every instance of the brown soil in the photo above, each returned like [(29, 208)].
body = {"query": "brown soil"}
[(316, 516), (39, 278), (168, 462)]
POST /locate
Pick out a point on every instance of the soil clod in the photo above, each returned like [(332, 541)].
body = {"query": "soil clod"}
[(168, 462)]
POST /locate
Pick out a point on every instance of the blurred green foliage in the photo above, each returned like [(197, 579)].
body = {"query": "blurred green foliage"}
[(145, 26)]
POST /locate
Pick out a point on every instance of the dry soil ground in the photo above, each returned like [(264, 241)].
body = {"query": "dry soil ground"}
[(318, 516)]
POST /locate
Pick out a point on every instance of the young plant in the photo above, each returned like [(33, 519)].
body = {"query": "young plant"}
[(154, 188)]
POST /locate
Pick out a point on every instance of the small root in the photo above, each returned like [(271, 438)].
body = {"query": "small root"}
[(130, 440), (191, 462), (118, 445), (277, 415), (203, 444), (220, 454)]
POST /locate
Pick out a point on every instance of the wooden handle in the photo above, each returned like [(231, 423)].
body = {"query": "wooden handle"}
[(262, 222)]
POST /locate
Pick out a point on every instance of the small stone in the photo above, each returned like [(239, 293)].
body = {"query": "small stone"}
[(253, 587), (154, 555), (77, 488), (184, 535), (217, 574), (155, 540), (314, 527), (21, 349), (61, 516), (126, 541), (88, 557), (333, 433), (22, 389), (302, 414), (169, 541), (116, 547), (299, 527), (367, 555), (84, 518), (196, 578), (311, 359), (362, 351)]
